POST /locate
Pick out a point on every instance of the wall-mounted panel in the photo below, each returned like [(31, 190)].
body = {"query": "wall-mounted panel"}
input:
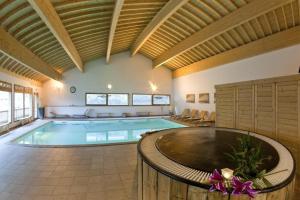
[(244, 107), (225, 107), (287, 110), (265, 109)]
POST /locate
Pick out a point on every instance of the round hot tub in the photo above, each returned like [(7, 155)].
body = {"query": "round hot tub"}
[(177, 163)]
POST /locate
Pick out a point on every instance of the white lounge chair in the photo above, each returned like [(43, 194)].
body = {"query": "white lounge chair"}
[(55, 115), (85, 114)]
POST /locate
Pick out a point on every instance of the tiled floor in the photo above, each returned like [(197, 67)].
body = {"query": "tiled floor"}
[(83, 173), (104, 172)]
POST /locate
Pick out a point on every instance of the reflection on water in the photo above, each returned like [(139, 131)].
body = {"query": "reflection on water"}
[(93, 132)]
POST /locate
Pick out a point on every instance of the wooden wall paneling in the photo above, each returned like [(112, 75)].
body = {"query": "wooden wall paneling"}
[(161, 187), (149, 182), (275, 109), (287, 116), (245, 107), (163, 191), (225, 107), (178, 190), (287, 111), (197, 193), (265, 109), (140, 177)]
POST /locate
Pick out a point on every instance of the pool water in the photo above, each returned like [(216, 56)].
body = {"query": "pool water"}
[(93, 132)]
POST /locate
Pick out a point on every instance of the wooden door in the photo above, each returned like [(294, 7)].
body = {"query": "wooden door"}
[(287, 111), (225, 107), (287, 116), (245, 107), (265, 109)]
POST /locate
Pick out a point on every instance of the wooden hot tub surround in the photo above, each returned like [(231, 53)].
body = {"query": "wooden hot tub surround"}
[(165, 174)]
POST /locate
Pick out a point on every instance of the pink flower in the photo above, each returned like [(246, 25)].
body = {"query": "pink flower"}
[(217, 182), (240, 187)]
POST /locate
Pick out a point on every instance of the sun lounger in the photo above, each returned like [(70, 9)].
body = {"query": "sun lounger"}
[(55, 115), (206, 122), (143, 114), (85, 115), (202, 115), (184, 113), (193, 116)]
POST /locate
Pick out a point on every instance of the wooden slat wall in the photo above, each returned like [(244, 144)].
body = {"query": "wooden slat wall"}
[(269, 107), (265, 109), (287, 110), (287, 116), (245, 103), (156, 186), (225, 107)]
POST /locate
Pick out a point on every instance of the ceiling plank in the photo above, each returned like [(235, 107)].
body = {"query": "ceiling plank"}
[(168, 10), (15, 50), (33, 82), (47, 12), (270, 43), (113, 26), (237, 17)]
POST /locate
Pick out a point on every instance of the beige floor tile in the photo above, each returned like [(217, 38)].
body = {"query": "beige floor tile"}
[(40, 190), (96, 196), (61, 190), (78, 189)]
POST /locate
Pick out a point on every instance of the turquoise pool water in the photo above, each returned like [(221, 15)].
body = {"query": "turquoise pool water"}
[(93, 132)]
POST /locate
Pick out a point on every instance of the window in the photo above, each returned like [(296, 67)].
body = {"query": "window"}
[(5, 102), (27, 102), (118, 100), (141, 99), (19, 102), (95, 99), (36, 105), (23, 102), (160, 99)]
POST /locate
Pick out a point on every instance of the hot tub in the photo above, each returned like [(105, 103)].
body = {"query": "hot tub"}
[(177, 164)]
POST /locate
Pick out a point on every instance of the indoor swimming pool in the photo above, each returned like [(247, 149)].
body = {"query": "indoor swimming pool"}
[(93, 132)]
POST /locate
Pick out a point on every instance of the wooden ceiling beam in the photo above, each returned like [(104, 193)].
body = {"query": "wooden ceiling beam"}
[(270, 43), (237, 17), (168, 10), (113, 26), (48, 14), (18, 52)]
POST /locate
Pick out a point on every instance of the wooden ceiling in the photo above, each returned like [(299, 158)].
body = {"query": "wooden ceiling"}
[(182, 35)]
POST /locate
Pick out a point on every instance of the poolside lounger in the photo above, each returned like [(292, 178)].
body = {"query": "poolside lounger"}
[(208, 121), (202, 115), (105, 115), (184, 113), (55, 115), (143, 114), (193, 116), (85, 115)]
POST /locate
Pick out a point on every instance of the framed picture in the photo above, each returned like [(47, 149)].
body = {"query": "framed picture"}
[(203, 98), (190, 98)]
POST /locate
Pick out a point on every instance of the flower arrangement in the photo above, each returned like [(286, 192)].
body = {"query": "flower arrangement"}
[(242, 180), (233, 186)]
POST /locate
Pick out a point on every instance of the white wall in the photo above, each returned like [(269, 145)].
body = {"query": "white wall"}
[(277, 63), (126, 74), (14, 80)]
